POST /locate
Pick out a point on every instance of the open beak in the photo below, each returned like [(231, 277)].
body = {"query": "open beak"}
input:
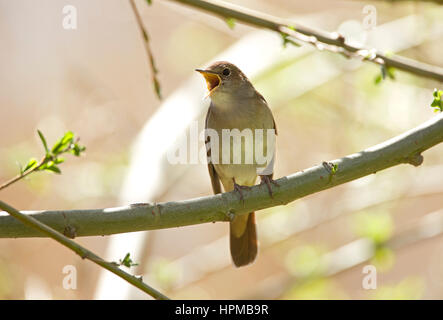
[(212, 79)]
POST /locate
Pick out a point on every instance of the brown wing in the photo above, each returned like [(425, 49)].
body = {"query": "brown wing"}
[(261, 97), (275, 126), (215, 181)]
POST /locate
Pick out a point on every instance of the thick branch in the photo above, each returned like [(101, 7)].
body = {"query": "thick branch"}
[(405, 148), (320, 39)]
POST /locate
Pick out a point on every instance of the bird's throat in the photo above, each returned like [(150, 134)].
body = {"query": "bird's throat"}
[(212, 81)]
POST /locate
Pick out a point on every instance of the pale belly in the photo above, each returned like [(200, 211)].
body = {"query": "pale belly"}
[(245, 168), (238, 162), (244, 174)]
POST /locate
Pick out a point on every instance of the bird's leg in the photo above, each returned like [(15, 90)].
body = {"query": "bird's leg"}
[(267, 179), (239, 188)]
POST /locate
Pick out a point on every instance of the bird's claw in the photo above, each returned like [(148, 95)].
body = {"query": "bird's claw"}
[(268, 180), (239, 189)]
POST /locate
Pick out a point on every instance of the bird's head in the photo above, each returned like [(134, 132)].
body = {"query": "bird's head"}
[(225, 78)]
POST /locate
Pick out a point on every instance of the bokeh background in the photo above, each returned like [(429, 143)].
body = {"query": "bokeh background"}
[(96, 81)]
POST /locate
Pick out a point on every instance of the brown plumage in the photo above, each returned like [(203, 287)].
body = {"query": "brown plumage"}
[(235, 104)]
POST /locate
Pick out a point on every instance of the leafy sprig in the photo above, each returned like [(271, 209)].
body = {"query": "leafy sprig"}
[(51, 160), (331, 168), (287, 39), (126, 261), (52, 157), (386, 72), (437, 103)]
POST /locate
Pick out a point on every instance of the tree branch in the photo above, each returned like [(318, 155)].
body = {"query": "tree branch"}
[(405, 148), (320, 39), (84, 253)]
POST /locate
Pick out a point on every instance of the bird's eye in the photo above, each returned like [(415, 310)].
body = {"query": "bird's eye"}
[(226, 72)]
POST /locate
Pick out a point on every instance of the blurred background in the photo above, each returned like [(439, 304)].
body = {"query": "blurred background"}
[(96, 81)]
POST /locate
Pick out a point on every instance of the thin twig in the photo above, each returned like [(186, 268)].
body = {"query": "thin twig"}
[(144, 33), (47, 158), (24, 174), (321, 40), (405, 148), (81, 251)]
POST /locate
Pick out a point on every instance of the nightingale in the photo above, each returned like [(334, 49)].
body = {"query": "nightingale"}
[(235, 104)]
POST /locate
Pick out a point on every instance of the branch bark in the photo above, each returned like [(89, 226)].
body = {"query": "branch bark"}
[(405, 148), (320, 39)]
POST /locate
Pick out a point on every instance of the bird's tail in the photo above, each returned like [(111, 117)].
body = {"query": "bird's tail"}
[(243, 239)]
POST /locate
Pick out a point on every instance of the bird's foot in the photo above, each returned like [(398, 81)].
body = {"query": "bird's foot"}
[(268, 181), (239, 189)]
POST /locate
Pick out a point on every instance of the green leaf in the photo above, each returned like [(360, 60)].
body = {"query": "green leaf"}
[(149, 2), (391, 72), (68, 137), (59, 160), (230, 22), (332, 168), (77, 150), (385, 72), (31, 165), (287, 40), (42, 138), (378, 79), (63, 143), (50, 166), (54, 169), (127, 261), (437, 103)]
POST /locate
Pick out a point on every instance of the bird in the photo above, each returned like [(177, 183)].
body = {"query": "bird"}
[(236, 104)]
